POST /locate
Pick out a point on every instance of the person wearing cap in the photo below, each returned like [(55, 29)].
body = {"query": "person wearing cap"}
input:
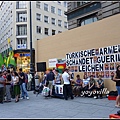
[(2, 82), (67, 88)]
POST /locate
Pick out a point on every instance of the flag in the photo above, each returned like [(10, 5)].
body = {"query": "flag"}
[(12, 59), (60, 67), (5, 59), (1, 60), (8, 40), (8, 60)]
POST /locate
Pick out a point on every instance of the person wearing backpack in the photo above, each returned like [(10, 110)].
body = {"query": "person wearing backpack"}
[(22, 84)]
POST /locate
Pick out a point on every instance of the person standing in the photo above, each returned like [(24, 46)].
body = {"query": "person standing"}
[(16, 86), (29, 81), (57, 78), (8, 86), (50, 78), (21, 76), (116, 79), (2, 81), (67, 89), (37, 79)]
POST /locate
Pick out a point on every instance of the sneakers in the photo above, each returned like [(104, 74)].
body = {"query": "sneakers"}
[(27, 98), (21, 98), (95, 97), (81, 95)]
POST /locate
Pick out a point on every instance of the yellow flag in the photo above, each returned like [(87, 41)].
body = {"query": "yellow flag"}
[(8, 40)]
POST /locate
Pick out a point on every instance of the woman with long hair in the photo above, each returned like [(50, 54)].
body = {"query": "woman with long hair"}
[(116, 78), (16, 86)]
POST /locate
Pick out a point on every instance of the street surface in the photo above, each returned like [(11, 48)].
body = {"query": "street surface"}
[(53, 108)]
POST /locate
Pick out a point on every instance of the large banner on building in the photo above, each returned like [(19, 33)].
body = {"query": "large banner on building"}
[(95, 61)]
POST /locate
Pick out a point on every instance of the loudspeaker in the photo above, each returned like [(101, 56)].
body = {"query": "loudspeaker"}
[(41, 67)]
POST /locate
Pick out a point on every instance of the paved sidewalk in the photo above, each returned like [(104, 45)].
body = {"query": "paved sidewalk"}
[(40, 107)]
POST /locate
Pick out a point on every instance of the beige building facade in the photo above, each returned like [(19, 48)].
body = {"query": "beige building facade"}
[(100, 34)]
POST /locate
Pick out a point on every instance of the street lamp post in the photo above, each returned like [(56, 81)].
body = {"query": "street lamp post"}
[(31, 55)]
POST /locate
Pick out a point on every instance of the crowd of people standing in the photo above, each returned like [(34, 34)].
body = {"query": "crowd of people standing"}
[(21, 84), (15, 81)]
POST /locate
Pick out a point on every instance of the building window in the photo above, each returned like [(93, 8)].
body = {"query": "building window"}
[(46, 31), (38, 16), (22, 30), (21, 43), (78, 4), (65, 24), (45, 7), (89, 20), (53, 21), (38, 4), (59, 22), (64, 14), (46, 19), (22, 17), (65, 4), (52, 9), (59, 2), (38, 29), (59, 31), (59, 12), (53, 32), (21, 4)]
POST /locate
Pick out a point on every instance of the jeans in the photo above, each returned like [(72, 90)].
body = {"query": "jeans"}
[(29, 85), (8, 94), (23, 90), (118, 89)]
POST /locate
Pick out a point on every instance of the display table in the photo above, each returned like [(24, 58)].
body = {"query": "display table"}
[(58, 91)]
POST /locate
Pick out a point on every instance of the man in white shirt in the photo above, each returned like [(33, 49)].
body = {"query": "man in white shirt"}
[(67, 89)]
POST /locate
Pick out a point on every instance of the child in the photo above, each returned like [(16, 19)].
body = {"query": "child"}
[(46, 90)]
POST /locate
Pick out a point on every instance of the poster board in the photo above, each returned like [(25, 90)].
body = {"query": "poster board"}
[(59, 89), (96, 61)]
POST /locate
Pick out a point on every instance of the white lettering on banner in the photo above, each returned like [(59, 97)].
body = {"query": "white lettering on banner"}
[(94, 59)]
